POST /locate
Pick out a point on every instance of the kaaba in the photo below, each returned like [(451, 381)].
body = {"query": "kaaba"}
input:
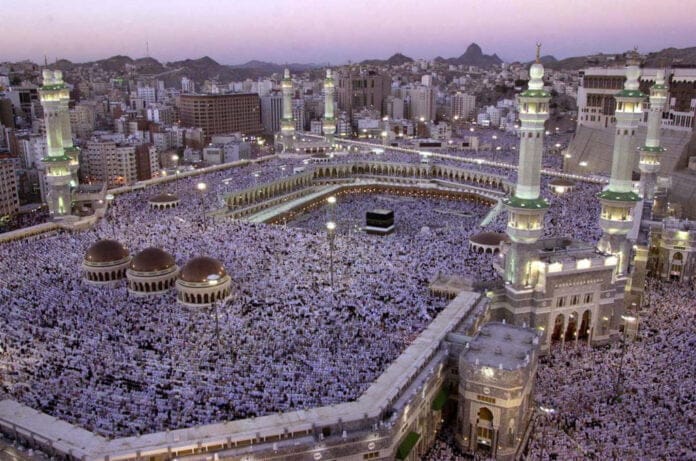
[(379, 221)]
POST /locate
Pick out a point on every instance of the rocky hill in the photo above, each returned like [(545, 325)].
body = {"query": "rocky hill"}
[(473, 56), (396, 60)]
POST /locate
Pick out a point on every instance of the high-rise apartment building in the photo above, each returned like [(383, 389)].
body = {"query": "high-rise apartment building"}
[(9, 197), (187, 85), (422, 103), (271, 112), (222, 113), (360, 89), (147, 161), (105, 160), (463, 105)]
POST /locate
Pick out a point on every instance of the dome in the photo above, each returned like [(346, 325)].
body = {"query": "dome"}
[(202, 269), (106, 251), (164, 198), (489, 238), (152, 260), (536, 74)]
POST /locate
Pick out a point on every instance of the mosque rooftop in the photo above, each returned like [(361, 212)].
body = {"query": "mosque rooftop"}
[(499, 345)]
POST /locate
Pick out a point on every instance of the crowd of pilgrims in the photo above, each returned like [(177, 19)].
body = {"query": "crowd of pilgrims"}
[(122, 365), (647, 412)]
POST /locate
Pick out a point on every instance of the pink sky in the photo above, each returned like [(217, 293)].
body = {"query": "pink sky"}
[(337, 31)]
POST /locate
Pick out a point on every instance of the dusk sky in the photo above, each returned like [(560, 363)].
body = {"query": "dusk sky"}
[(334, 31)]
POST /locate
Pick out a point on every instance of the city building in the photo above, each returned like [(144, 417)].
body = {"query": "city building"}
[(422, 103), (187, 85), (83, 119), (9, 193), (108, 161), (271, 112), (222, 113), (358, 89), (463, 105)]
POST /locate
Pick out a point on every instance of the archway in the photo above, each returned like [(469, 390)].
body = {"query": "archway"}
[(558, 327), (571, 331), (484, 428), (585, 325), (676, 266)]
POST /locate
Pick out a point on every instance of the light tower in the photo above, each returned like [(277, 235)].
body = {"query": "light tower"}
[(526, 208), (618, 200), (651, 152), (287, 124), (57, 164), (329, 120)]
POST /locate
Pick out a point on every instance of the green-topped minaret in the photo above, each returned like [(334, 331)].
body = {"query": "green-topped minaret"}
[(329, 124), (287, 124), (651, 152), (58, 165), (618, 200), (526, 208)]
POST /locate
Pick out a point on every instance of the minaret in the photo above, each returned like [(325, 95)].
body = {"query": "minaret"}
[(618, 200), (287, 124), (329, 120), (526, 208), (56, 164), (69, 148), (651, 152)]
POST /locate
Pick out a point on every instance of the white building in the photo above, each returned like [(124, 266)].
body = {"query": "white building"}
[(9, 198), (160, 114), (107, 161), (82, 119), (187, 85), (271, 112), (463, 105), (422, 103), (148, 94)]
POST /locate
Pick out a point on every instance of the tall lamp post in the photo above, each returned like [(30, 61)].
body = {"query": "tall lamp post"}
[(628, 320), (332, 208), (213, 280), (547, 411), (331, 235), (201, 186), (175, 159)]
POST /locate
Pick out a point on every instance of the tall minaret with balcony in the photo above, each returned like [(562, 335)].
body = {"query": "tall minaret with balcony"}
[(57, 165), (651, 152), (287, 124), (618, 200), (526, 208), (329, 120), (69, 148)]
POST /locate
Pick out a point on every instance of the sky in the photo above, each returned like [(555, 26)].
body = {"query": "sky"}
[(337, 31)]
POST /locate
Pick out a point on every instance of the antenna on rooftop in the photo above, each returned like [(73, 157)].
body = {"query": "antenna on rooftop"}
[(147, 49)]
